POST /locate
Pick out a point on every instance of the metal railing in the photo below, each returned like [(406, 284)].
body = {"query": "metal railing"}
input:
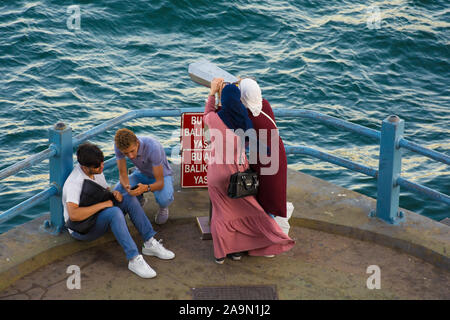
[(389, 181)]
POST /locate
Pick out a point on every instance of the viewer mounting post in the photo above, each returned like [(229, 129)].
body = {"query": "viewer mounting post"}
[(61, 165), (389, 169)]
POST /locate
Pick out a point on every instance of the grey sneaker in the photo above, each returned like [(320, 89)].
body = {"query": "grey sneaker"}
[(162, 216)]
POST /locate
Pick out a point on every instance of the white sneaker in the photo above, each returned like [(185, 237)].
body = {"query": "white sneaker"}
[(141, 268), (162, 216), (153, 247)]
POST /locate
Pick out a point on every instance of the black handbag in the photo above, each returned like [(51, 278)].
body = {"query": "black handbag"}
[(91, 193), (243, 184)]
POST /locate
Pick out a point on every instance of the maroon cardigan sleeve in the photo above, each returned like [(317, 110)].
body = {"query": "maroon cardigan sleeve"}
[(272, 188)]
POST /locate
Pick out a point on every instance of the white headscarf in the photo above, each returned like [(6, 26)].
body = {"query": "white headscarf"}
[(251, 96)]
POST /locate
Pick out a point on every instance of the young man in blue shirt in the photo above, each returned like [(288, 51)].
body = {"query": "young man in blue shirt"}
[(153, 172)]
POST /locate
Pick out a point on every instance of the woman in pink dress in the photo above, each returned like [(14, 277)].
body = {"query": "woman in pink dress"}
[(237, 225)]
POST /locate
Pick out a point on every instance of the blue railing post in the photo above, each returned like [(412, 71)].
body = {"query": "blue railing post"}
[(389, 169), (61, 164)]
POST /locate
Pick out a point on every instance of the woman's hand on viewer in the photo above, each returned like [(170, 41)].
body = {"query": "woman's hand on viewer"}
[(216, 85)]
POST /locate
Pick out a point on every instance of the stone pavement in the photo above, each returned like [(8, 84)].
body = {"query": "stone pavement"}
[(336, 241), (320, 266)]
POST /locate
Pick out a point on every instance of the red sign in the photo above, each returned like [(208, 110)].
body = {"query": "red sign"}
[(194, 152)]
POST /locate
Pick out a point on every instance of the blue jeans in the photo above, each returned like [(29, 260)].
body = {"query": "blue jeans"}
[(163, 197), (114, 218)]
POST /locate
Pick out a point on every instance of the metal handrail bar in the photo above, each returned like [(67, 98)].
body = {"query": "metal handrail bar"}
[(28, 162), (109, 163), (414, 147), (371, 133), (47, 193), (332, 159), (404, 143), (133, 115), (51, 151), (29, 203), (313, 115), (412, 186)]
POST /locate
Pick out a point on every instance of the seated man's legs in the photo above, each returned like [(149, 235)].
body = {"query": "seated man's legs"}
[(112, 217), (137, 215)]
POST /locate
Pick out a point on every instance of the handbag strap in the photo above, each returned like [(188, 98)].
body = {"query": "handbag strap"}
[(270, 119), (240, 158)]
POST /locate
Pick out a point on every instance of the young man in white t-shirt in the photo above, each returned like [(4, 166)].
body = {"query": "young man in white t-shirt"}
[(90, 166)]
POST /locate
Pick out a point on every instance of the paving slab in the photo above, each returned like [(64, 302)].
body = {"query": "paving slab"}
[(320, 266)]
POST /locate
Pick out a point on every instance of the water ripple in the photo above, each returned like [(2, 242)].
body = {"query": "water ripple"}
[(319, 55)]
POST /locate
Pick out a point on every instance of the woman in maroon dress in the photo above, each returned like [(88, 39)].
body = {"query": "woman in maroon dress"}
[(272, 189)]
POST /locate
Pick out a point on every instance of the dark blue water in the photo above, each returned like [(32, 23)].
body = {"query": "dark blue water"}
[(357, 60)]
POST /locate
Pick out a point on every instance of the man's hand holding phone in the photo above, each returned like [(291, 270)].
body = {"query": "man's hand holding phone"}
[(137, 189)]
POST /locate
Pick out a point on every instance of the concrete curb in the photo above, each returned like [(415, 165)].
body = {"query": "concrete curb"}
[(330, 208)]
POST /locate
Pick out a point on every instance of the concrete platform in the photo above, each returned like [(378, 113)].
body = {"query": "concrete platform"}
[(336, 241)]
